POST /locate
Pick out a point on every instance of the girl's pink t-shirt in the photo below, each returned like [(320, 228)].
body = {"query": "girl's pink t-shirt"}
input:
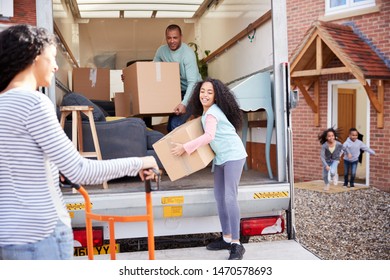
[(206, 138)]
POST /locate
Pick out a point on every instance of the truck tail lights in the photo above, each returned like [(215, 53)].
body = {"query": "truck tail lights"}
[(80, 236), (262, 225)]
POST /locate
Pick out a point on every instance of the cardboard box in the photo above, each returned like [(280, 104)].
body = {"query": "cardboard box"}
[(93, 83), (154, 87), (122, 104), (179, 167)]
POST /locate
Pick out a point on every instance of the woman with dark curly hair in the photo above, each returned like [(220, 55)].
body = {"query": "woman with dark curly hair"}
[(331, 151), (221, 118), (35, 223)]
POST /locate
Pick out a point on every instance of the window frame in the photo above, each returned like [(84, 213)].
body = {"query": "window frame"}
[(349, 6)]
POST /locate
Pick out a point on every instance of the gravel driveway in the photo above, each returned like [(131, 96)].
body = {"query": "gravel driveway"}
[(342, 224)]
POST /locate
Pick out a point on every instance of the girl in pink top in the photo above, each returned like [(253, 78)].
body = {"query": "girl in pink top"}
[(221, 117)]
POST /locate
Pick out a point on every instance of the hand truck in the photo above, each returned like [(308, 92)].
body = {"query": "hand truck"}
[(111, 219)]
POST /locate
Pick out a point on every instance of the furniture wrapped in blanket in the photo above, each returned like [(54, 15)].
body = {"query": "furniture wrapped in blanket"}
[(126, 137), (118, 138)]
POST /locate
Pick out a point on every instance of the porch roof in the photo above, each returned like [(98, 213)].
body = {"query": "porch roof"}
[(325, 43), (329, 48)]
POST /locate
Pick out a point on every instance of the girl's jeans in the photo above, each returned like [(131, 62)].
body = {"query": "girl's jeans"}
[(57, 246), (226, 179), (333, 169), (350, 165)]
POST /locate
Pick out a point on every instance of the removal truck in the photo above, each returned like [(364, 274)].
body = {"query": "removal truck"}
[(246, 43)]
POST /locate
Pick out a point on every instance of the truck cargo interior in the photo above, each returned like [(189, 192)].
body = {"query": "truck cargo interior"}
[(85, 30)]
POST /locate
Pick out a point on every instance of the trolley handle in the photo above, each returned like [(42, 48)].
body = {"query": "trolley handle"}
[(66, 183), (149, 187)]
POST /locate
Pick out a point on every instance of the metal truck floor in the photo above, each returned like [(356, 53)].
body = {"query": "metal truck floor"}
[(268, 250), (201, 179)]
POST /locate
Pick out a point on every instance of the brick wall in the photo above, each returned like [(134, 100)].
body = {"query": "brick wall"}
[(307, 166), (24, 12), (380, 142)]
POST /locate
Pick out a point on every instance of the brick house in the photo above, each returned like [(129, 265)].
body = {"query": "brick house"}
[(339, 52), (23, 12)]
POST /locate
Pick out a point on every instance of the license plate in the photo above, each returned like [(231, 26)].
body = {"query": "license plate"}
[(98, 250)]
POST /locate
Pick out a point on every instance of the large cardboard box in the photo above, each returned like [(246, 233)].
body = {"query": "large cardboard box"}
[(93, 83), (179, 167), (122, 104), (154, 87)]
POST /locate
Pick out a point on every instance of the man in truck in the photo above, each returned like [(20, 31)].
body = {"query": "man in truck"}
[(177, 51)]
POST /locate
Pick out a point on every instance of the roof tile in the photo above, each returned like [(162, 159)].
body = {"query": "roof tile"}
[(351, 48)]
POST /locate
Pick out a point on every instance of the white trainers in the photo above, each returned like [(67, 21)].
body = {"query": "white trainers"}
[(335, 179), (326, 187)]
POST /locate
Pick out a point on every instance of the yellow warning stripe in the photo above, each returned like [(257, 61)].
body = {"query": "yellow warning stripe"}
[(270, 195), (172, 200), (76, 206)]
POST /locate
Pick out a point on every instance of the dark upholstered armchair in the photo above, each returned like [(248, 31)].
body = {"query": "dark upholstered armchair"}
[(127, 137), (119, 138)]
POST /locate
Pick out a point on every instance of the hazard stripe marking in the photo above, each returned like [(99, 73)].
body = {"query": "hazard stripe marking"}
[(172, 200), (262, 195), (76, 206)]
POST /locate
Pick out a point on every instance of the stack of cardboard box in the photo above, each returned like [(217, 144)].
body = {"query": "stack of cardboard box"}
[(150, 88)]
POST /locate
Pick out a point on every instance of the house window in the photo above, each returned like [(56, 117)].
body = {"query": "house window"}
[(6, 9), (340, 6)]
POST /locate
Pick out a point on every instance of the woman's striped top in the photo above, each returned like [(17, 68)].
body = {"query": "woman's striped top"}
[(33, 147)]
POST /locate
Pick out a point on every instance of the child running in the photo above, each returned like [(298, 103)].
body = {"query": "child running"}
[(352, 147), (331, 151), (221, 118)]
